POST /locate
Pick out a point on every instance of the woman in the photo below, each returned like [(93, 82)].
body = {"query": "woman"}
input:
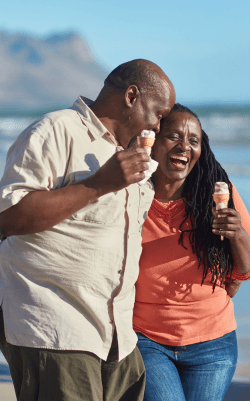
[(183, 315)]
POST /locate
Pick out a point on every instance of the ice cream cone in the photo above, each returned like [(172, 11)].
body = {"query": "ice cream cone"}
[(221, 200), (221, 196), (146, 140)]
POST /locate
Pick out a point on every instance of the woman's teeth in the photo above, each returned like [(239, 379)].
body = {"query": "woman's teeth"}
[(179, 160)]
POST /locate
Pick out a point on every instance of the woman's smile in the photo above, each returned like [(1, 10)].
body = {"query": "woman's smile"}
[(180, 162), (177, 147)]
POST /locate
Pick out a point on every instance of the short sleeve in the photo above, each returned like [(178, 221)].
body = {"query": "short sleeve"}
[(245, 222), (35, 162)]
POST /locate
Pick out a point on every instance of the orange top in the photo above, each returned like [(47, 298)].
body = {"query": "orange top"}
[(171, 305)]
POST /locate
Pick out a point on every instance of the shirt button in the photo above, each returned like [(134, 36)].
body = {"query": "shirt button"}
[(142, 193), (111, 321), (119, 271)]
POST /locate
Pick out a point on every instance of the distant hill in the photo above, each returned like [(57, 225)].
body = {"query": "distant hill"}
[(46, 73)]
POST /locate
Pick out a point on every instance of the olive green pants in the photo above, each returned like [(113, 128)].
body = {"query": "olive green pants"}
[(51, 375)]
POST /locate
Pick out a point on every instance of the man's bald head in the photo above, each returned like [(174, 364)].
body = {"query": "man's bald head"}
[(135, 96), (146, 75)]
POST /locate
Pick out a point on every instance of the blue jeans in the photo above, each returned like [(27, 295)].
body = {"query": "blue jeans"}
[(196, 372)]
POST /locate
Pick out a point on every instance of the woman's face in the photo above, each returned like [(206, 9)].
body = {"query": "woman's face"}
[(177, 147)]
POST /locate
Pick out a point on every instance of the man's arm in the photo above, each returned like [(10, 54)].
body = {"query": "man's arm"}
[(232, 286), (41, 210)]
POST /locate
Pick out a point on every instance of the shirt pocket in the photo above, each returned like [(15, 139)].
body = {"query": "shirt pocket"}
[(146, 196), (102, 211)]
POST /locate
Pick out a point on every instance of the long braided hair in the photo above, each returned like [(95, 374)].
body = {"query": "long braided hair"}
[(197, 192)]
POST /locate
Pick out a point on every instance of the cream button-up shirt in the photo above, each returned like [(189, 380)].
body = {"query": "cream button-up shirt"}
[(68, 287)]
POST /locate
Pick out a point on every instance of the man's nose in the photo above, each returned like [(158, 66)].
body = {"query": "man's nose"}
[(157, 127)]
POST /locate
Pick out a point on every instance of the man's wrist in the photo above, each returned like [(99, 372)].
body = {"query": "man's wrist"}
[(95, 187)]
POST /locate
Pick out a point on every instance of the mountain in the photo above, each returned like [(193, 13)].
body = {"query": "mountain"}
[(45, 73)]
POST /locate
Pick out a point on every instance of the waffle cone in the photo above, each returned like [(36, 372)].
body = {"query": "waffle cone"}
[(221, 198), (144, 142)]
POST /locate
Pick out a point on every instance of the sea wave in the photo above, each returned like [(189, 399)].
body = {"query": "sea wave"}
[(227, 128), (231, 130), (12, 127), (236, 169)]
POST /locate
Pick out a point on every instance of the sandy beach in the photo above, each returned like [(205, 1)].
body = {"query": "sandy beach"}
[(238, 390), (7, 392)]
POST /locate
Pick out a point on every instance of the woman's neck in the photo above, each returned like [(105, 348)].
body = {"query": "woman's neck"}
[(166, 192)]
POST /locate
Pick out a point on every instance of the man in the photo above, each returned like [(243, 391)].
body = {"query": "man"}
[(72, 211)]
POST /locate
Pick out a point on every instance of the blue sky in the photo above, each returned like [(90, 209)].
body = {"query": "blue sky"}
[(204, 47)]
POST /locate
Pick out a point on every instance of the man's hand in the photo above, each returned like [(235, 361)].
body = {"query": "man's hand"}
[(232, 286), (122, 169), (41, 210)]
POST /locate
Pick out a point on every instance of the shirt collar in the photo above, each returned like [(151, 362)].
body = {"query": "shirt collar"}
[(92, 122)]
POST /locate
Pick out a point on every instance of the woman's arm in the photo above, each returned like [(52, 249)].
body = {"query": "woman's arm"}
[(235, 225), (227, 222)]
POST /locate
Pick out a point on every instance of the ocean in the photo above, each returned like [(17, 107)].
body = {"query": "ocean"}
[(229, 133)]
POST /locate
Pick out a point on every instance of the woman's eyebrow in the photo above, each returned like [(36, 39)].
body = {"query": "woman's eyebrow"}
[(194, 134), (174, 130)]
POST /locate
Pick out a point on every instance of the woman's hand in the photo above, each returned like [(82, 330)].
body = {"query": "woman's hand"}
[(227, 223)]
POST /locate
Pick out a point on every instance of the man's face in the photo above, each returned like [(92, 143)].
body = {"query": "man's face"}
[(148, 110)]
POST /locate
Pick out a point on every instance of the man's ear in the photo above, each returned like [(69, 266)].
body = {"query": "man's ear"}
[(131, 95)]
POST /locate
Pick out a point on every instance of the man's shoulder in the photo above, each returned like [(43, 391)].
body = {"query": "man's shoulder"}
[(61, 122), (53, 129), (65, 116)]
